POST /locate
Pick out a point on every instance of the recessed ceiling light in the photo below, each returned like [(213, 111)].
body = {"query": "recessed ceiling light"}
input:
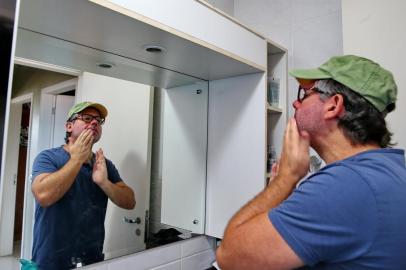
[(154, 49), (105, 65)]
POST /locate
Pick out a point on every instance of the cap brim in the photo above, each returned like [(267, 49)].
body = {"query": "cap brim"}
[(103, 111), (310, 74)]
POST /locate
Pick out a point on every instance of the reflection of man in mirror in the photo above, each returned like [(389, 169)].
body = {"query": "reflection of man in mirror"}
[(71, 185)]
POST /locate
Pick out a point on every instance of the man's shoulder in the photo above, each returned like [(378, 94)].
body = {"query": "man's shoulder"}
[(52, 153), (379, 155), (54, 150), (362, 163)]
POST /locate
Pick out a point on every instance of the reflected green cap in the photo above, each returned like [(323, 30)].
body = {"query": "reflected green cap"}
[(86, 104), (361, 75)]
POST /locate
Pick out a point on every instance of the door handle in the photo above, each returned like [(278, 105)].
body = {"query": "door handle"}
[(130, 220)]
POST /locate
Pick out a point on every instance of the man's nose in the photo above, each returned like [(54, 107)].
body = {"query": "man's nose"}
[(94, 122)]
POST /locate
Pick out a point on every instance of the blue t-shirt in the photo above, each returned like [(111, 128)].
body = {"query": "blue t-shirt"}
[(72, 228), (349, 215)]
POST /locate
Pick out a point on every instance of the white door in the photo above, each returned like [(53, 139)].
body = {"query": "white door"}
[(63, 104), (9, 180), (126, 141)]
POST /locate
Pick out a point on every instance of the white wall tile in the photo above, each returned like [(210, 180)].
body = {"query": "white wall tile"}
[(311, 30), (196, 245), (199, 261), (198, 253), (272, 18), (147, 259), (376, 30), (96, 266), (170, 266)]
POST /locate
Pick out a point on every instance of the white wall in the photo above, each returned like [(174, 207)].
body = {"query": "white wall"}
[(376, 29)]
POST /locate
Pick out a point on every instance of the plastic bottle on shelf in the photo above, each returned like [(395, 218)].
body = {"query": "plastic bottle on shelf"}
[(273, 91), (272, 158)]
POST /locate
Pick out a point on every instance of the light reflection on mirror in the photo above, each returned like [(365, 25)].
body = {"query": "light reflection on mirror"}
[(155, 136)]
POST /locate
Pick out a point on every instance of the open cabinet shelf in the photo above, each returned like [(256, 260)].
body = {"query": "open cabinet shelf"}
[(277, 58), (273, 109)]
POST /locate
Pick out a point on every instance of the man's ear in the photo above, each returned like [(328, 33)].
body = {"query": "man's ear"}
[(334, 107), (68, 126)]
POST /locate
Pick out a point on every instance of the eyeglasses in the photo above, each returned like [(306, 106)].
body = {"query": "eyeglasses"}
[(87, 118), (303, 93)]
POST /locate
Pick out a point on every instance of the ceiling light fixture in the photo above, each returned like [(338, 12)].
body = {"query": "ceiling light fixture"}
[(105, 65), (154, 49)]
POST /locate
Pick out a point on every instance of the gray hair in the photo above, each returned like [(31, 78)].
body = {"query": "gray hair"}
[(361, 123)]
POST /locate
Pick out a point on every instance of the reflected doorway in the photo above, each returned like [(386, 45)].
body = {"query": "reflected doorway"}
[(21, 178)]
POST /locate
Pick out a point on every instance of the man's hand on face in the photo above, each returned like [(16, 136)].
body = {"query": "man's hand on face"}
[(294, 162), (81, 149), (99, 169)]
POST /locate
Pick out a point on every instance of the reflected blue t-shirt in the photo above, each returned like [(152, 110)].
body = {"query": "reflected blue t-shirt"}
[(350, 214), (71, 229)]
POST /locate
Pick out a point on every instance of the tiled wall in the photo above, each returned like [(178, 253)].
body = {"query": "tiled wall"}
[(311, 30), (197, 253)]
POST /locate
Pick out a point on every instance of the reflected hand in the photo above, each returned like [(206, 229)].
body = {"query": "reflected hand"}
[(99, 168), (81, 149), (274, 170), (294, 162)]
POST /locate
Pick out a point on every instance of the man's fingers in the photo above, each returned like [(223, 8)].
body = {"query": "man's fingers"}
[(88, 137), (294, 131), (80, 137), (83, 136)]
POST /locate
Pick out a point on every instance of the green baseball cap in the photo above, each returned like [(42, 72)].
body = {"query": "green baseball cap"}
[(86, 104), (361, 75)]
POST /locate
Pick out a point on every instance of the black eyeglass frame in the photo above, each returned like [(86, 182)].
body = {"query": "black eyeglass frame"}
[(302, 93), (100, 120)]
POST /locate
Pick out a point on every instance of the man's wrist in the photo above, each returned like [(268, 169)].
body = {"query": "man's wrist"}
[(104, 184), (285, 182), (75, 161)]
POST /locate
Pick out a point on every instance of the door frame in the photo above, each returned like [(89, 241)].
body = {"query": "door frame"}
[(29, 202), (44, 140), (47, 105), (7, 216)]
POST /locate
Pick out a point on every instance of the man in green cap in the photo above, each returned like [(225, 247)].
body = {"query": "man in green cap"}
[(71, 185), (349, 214)]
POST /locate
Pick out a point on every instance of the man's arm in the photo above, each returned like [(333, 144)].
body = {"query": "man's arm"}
[(48, 188), (250, 240), (119, 193)]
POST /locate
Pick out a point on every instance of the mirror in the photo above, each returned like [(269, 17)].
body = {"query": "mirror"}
[(155, 134)]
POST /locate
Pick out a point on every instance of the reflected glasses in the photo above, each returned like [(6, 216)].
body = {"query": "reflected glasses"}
[(303, 93), (87, 118)]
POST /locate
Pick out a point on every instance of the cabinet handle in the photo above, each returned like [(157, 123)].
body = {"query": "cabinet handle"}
[(130, 220)]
